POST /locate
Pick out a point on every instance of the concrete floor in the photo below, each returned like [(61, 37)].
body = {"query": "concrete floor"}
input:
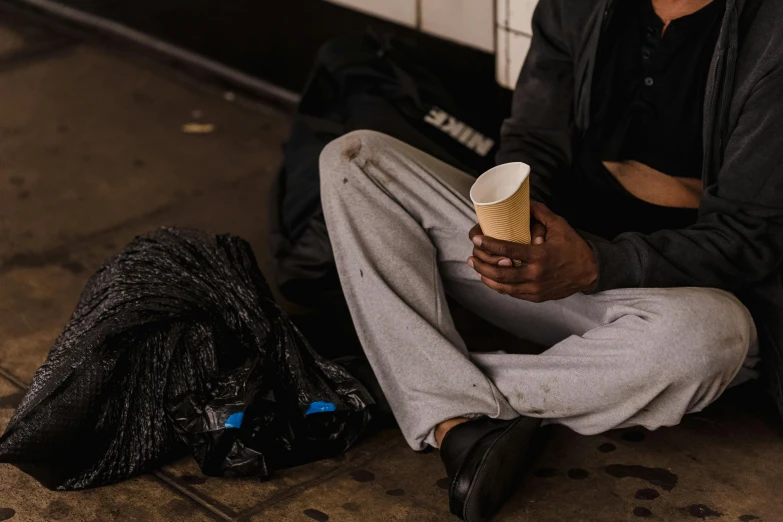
[(92, 153)]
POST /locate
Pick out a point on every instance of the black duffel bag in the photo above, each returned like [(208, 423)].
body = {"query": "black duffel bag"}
[(375, 82)]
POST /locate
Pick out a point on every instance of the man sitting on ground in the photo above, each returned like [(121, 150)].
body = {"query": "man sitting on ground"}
[(654, 129)]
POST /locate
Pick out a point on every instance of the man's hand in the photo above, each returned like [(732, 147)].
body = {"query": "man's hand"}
[(537, 231), (559, 265)]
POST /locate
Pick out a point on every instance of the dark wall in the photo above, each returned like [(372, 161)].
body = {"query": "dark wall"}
[(277, 41), (273, 39)]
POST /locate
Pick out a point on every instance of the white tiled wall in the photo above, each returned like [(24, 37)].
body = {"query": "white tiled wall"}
[(513, 18), (470, 22), (512, 50), (403, 12), (516, 15), (499, 26)]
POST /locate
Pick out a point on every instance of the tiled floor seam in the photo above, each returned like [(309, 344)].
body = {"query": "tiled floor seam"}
[(26, 57), (5, 266), (213, 507), (204, 501), (160, 476), (358, 463), (160, 212), (13, 379)]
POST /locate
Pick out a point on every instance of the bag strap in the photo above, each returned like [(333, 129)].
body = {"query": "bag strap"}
[(350, 51), (376, 47)]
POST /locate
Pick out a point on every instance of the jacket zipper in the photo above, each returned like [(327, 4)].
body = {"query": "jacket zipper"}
[(585, 81), (709, 134), (723, 110)]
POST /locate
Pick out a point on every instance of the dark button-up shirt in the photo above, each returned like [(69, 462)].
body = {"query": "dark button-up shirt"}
[(647, 106)]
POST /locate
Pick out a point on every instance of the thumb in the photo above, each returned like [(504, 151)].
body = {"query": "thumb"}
[(542, 214), (537, 232)]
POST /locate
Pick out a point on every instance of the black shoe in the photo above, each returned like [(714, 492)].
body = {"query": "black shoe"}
[(483, 459)]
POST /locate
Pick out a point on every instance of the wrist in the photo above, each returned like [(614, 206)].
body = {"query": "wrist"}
[(591, 285), (590, 264)]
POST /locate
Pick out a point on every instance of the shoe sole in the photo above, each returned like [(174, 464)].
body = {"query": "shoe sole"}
[(504, 469)]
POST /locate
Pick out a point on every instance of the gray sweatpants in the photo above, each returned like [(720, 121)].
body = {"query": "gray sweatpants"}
[(399, 220)]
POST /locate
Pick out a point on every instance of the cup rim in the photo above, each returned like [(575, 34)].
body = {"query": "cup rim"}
[(503, 166)]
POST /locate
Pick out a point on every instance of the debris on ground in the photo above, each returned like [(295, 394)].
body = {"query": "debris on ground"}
[(198, 128)]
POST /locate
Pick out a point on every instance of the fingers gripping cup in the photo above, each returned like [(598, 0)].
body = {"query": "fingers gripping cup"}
[(501, 197)]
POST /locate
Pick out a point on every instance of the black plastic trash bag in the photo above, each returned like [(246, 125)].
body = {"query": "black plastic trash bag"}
[(177, 344)]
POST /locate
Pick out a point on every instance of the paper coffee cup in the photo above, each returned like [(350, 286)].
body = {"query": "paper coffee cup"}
[(501, 197)]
